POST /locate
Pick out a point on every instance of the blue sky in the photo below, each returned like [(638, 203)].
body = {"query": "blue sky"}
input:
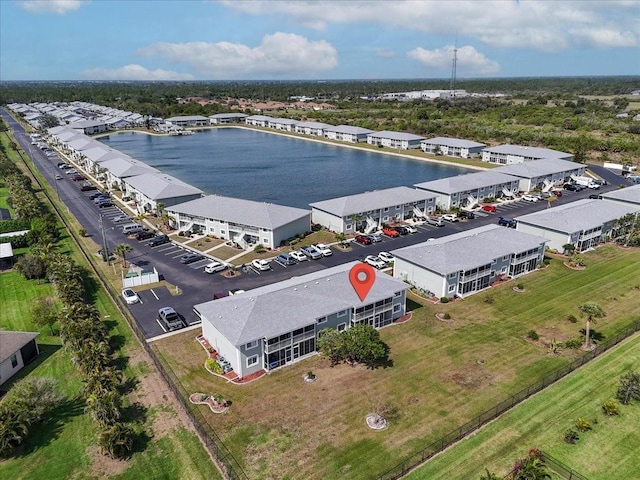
[(342, 39)]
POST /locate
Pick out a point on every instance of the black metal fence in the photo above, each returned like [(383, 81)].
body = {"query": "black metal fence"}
[(557, 467), (458, 434)]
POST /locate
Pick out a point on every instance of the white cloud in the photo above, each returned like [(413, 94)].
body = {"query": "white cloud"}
[(59, 7), (470, 61), (542, 25), (279, 54), (134, 72)]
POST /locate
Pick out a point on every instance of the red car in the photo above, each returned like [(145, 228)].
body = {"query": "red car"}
[(363, 239), (557, 193), (391, 232), (489, 208), (77, 178)]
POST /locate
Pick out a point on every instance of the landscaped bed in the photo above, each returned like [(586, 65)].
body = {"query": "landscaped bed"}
[(437, 383)]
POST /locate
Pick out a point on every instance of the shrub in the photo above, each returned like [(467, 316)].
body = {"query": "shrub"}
[(571, 436), (573, 343), (260, 248), (572, 318), (610, 408), (488, 299), (82, 232), (533, 335), (447, 316), (213, 366), (444, 299), (316, 227), (583, 425), (311, 375), (520, 286), (629, 388)]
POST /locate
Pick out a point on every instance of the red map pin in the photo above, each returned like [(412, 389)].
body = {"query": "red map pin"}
[(362, 278)]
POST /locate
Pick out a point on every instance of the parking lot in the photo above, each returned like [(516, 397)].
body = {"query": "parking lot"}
[(192, 283)]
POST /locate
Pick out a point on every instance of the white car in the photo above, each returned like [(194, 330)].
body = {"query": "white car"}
[(593, 186), (298, 255), (386, 257), (214, 267), (375, 262), (261, 265), (450, 217), (529, 198), (130, 296), (411, 229), (323, 249)]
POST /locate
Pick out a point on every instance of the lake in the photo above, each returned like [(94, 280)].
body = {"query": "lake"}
[(250, 164)]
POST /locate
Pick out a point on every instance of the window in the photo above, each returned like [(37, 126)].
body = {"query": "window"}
[(452, 275), (452, 288), (322, 320), (396, 308), (14, 361), (398, 207), (342, 327), (397, 294), (251, 345), (386, 209), (342, 313), (265, 240), (349, 226), (222, 232), (252, 360), (503, 270), (385, 218)]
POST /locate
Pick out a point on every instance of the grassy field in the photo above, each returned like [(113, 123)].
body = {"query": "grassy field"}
[(443, 374), (609, 450), (64, 445)]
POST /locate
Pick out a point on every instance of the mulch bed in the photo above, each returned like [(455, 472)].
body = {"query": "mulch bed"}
[(573, 267)]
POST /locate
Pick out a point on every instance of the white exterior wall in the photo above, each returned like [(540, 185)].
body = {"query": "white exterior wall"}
[(7, 371), (420, 277), (329, 221), (223, 347), (556, 239)]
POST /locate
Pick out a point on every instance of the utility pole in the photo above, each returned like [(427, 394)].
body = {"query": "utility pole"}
[(453, 71), (105, 250)]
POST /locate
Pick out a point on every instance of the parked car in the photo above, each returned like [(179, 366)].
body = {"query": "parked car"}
[(101, 198), (77, 177), (450, 217), (593, 186), (386, 257), (573, 187), (595, 196), (311, 252), (285, 260), (95, 195), (411, 229), (390, 232), (402, 230), (159, 240), (600, 181), (105, 203), (129, 296), (144, 235), (375, 237), (363, 239), (465, 214), (507, 222), (70, 171), (59, 177), (323, 249), (170, 318), (557, 193), (261, 265), (214, 267), (87, 187), (530, 198), (121, 218), (190, 258), (298, 255), (435, 221), (375, 262), (489, 208)]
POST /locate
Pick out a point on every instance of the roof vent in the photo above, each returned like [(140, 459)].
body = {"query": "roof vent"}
[(295, 289)]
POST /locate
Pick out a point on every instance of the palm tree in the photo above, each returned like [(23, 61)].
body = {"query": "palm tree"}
[(593, 312), (104, 408), (117, 440), (551, 199), (121, 250)]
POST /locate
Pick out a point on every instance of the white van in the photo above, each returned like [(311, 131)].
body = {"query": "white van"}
[(131, 228)]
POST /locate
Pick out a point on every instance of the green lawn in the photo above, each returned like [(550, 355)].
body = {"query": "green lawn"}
[(4, 193), (443, 374), (608, 451)]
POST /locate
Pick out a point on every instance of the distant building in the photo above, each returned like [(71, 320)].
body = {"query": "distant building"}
[(367, 211), (317, 129), (510, 154), (150, 189), (467, 262), (285, 124), (583, 223), (258, 120), (244, 222), (224, 118), (189, 121), (397, 140), (452, 147), (18, 349), (347, 133), (543, 174)]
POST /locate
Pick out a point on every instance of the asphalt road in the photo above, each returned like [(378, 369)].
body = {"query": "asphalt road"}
[(197, 286)]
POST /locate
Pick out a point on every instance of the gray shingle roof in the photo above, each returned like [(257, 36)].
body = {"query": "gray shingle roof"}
[(396, 135), (467, 250), (535, 152), (579, 215), (539, 168), (630, 195), (186, 118), (284, 121), (259, 117), (284, 306), (157, 186), (467, 181), (453, 142), (349, 129), (363, 202), (123, 168), (237, 210), (13, 341), (313, 125), (229, 115)]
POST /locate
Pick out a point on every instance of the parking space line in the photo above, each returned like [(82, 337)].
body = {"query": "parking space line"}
[(154, 293)]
